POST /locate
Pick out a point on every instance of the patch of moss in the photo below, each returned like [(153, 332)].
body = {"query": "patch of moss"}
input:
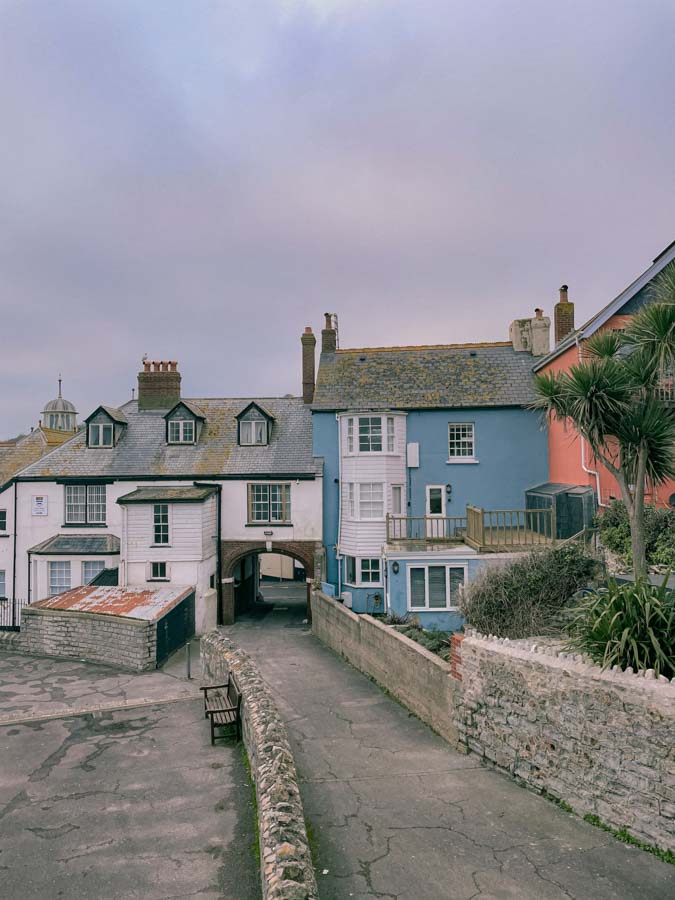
[(623, 835)]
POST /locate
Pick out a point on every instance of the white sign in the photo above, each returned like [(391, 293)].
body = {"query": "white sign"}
[(40, 505)]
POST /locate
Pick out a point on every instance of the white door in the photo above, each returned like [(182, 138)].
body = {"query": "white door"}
[(435, 524)]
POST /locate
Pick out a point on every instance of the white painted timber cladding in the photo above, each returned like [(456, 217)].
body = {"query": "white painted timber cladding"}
[(366, 537), (186, 530)]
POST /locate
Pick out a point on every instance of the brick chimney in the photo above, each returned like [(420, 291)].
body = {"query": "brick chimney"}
[(308, 342), (329, 335), (158, 385), (563, 316)]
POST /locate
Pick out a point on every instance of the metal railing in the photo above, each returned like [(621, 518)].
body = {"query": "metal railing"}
[(10, 613), (509, 529), (426, 529)]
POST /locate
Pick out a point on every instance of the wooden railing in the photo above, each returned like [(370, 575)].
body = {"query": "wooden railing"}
[(429, 529), (508, 529)]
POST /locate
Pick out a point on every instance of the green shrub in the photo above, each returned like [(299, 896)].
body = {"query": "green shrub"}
[(626, 625), (435, 641), (525, 597), (614, 532)]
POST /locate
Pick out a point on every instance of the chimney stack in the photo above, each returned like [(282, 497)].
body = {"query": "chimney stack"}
[(531, 335), (308, 342), (563, 316), (329, 336), (158, 385)]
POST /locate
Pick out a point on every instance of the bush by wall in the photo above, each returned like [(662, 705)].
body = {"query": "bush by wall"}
[(614, 532), (627, 625), (525, 597)]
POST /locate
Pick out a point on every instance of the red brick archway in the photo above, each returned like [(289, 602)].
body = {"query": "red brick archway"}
[(309, 553)]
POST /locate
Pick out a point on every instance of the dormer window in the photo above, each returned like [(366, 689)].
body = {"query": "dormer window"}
[(181, 431), (101, 435), (252, 433), (255, 426)]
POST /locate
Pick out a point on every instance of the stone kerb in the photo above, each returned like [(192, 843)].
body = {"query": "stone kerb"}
[(286, 866)]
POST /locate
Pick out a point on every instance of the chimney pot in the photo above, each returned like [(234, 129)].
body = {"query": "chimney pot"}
[(563, 316), (539, 313), (563, 294), (328, 336)]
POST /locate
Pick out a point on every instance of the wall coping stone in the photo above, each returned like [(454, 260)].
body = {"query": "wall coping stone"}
[(286, 869)]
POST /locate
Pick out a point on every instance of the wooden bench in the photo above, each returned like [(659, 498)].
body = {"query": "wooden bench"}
[(222, 706)]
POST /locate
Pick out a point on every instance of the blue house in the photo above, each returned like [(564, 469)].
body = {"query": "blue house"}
[(428, 452)]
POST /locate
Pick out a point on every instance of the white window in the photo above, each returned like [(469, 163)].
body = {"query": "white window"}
[(181, 431), (350, 570), (370, 571), (397, 499), (90, 569), (158, 571), (391, 436), (435, 587), (371, 500), (350, 435), (85, 504), (253, 432), (370, 434), (269, 503), (461, 443), (160, 531), (59, 577), (101, 435), (435, 506), (3, 520), (3, 584), (348, 499)]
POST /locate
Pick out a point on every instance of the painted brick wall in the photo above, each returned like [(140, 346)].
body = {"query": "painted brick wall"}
[(111, 640)]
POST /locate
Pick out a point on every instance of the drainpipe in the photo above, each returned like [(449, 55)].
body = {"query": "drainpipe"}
[(338, 554), (588, 471), (16, 487)]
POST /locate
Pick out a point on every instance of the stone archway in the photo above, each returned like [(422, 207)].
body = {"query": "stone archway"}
[(309, 553)]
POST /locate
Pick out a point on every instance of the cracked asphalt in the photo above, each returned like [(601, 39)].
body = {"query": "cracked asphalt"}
[(395, 812), (130, 801)]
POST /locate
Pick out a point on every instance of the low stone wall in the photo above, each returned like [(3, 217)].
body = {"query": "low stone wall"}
[(604, 742), (419, 679), (111, 640), (286, 865)]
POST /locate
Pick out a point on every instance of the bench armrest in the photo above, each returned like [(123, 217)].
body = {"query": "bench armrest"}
[(212, 687)]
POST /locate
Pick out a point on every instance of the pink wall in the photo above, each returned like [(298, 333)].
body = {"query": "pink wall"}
[(564, 445)]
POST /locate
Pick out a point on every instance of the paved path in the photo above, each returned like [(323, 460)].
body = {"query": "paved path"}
[(127, 803), (396, 813)]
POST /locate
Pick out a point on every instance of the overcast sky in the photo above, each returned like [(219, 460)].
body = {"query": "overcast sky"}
[(200, 179)]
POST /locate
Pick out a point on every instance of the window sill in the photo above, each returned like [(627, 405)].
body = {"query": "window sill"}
[(5, 535), (268, 525), (426, 609), (158, 579), (161, 546), (363, 586), (181, 443), (462, 462), (84, 525)]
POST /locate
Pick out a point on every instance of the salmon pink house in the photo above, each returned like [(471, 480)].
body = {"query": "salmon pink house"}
[(570, 461)]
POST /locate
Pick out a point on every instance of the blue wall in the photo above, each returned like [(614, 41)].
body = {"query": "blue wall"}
[(326, 444), (512, 452)]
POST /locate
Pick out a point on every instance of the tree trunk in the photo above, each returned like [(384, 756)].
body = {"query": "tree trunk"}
[(637, 521)]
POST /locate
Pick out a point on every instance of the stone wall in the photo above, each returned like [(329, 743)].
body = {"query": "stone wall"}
[(111, 640), (286, 866), (419, 679), (604, 742)]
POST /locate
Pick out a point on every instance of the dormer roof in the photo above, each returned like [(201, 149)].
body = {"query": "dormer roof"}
[(261, 409), (116, 415), (191, 407)]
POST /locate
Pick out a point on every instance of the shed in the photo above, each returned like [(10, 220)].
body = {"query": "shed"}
[(133, 628), (573, 506)]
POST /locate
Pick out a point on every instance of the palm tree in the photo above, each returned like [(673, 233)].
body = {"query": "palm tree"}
[(619, 398)]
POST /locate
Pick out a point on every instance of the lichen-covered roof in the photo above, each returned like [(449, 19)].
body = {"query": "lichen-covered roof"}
[(142, 449), (436, 377), (112, 412), (168, 495), (28, 449), (148, 604), (78, 545)]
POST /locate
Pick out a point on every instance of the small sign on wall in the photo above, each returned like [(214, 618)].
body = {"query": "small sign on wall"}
[(40, 505)]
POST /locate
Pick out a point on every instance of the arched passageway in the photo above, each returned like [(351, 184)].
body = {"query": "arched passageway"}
[(241, 571)]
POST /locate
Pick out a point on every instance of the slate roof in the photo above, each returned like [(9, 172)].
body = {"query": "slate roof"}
[(78, 545), (142, 449), (27, 449), (106, 578), (436, 377), (168, 495), (112, 412)]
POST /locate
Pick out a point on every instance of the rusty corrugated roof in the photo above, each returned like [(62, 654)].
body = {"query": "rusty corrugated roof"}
[(148, 604)]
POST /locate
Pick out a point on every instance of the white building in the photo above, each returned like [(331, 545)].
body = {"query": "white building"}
[(165, 489)]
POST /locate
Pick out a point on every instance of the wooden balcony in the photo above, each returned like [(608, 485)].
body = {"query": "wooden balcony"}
[(485, 530)]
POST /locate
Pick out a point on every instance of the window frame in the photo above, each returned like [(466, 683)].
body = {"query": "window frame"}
[(100, 426), (51, 566), (399, 488), (463, 567), (371, 484), (286, 501), (3, 584), (3, 520), (369, 436), (161, 524), (88, 504), (252, 423), (356, 564), (181, 439), (89, 562), (461, 441), (151, 573), (429, 489)]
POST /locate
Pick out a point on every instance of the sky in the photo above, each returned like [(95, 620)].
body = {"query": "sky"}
[(199, 180)]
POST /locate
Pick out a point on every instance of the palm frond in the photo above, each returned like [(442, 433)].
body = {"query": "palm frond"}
[(604, 344), (652, 331)]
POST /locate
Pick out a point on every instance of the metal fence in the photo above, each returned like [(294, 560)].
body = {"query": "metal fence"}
[(10, 613)]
